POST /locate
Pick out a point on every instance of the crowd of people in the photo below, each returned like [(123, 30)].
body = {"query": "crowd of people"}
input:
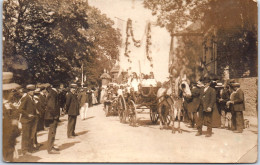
[(26, 111), (215, 104)]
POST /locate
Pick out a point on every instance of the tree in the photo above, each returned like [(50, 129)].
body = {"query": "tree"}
[(56, 37), (234, 21)]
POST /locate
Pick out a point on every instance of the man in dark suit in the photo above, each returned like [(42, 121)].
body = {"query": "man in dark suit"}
[(208, 102), (194, 104), (51, 117), (72, 108), (237, 108), (28, 110)]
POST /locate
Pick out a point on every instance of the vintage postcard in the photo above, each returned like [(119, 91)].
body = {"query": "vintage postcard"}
[(130, 81)]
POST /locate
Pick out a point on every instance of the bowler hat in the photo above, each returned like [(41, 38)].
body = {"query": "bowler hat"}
[(206, 80)]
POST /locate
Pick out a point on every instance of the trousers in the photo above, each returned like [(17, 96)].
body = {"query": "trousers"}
[(53, 124), (206, 118), (27, 143), (34, 131), (83, 111), (71, 125)]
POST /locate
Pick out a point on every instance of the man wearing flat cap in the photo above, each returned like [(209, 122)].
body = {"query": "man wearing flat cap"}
[(72, 108), (28, 110), (208, 102), (237, 107)]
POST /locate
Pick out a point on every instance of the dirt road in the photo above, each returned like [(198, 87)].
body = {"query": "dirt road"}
[(105, 139)]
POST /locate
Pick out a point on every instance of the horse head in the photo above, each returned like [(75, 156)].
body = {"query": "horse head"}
[(182, 87)]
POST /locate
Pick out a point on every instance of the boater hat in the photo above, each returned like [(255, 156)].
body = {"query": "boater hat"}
[(7, 85), (219, 85), (31, 87), (235, 85), (73, 85)]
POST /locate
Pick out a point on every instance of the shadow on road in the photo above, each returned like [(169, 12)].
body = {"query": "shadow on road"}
[(27, 158), (67, 145), (90, 117), (82, 133)]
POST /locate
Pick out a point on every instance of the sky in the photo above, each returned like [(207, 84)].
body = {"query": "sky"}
[(133, 9)]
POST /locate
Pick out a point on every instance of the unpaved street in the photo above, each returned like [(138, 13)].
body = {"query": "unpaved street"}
[(105, 139)]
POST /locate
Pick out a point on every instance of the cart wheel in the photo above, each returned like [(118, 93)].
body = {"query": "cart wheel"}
[(132, 113), (107, 110), (154, 116), (122, 109)]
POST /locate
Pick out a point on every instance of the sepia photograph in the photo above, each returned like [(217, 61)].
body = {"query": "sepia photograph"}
[(130, 81)]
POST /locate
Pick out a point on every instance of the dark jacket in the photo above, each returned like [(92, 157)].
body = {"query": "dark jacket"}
[(62, 98), (239, 103), (72, 104), (83, 98), (225, 95), (194, 105), (52, 106), (27, 107), (208, 99)]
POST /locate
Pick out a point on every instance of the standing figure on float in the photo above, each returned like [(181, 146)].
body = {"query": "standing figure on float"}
[(134, 82)]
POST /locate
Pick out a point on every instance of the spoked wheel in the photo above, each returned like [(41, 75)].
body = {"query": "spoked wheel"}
[(154, 116), (122, 109), (107, 110), (132, 113)]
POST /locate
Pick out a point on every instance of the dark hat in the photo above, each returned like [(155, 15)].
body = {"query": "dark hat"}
[(194, 83), (206, 80), (31, 87), (231, 81)]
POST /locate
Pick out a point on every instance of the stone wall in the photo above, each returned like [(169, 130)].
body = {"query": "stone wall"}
[(250, 88)]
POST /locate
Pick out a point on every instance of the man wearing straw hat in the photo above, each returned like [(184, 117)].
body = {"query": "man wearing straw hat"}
[(28, 111), (10, 122)]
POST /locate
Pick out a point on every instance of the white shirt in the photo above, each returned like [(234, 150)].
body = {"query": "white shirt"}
[(206, 88)]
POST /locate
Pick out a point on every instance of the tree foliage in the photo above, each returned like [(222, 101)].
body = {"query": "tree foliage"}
[(55, 37), (234, 22)]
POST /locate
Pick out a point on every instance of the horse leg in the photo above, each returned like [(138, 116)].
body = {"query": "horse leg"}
[(172, 118), (160, 116), (179, 120)]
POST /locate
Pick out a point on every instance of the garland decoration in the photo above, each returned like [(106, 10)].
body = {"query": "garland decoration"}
[(129, 32), (148, 44)]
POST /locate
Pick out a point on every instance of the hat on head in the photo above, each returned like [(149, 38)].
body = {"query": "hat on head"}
[(219, 85), (73, 85), (206, 80), (194, 83), (30, 87), (235, 85), (7, 85), (37, 90), (229, 82)]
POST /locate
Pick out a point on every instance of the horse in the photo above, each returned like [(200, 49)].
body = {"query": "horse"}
[(170, 101)]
